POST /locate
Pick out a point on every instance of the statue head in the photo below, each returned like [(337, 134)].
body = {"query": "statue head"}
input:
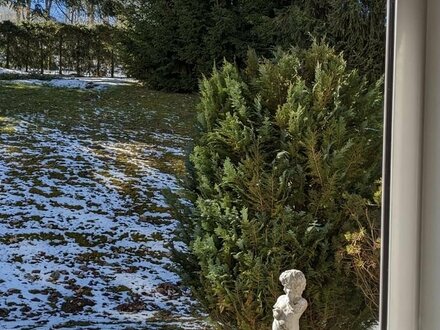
[(294, 283)]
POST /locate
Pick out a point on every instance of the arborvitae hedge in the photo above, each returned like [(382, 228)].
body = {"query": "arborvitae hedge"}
[(40, 46), (286, 163)]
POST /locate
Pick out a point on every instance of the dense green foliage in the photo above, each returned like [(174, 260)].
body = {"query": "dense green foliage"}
[(48, 45), (172, 42), (285, 165)]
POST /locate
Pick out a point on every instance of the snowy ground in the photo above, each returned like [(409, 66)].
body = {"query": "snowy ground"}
[(11, 71), (76, 82), (98, 83), (84, 227)]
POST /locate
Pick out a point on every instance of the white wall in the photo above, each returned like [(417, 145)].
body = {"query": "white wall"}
[(406, 166), (430, 239), (414, 270)]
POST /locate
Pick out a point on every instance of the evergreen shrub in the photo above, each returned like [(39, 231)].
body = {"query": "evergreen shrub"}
[(170, 44), (284, 166)]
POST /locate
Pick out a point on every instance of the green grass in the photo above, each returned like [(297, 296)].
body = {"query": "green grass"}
[(121, 109), (167, 112)]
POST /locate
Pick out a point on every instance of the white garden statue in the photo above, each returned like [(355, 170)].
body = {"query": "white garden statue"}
[(290, 306)]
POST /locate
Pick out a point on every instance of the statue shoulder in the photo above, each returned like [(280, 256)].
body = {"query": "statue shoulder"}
[(281, 301), (302, 304)]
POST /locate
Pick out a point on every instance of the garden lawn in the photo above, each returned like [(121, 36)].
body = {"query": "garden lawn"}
[(85, 230)]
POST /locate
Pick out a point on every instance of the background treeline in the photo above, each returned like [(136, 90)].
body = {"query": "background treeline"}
[(172, 43), (67, 11), (39, 46)]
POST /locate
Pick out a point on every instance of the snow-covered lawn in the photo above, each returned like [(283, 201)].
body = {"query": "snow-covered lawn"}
[(76, 82), (85, 231), (52, 79), (11, 71)]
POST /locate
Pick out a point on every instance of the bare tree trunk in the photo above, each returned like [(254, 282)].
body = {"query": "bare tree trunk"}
[(28, 9), (21, 12), (78, 14), (60, 54), (65, 11), (69, 15), (89, 60), (18, 14), (41, 58), (8, 52), (98, 63), (48, 7), (27, 54), (91, 13), (78, 66), (113, 64), (72, 15)]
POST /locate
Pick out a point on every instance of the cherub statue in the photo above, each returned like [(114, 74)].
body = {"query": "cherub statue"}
[(290, 306)]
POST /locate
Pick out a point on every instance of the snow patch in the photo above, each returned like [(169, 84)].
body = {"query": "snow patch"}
[(82, 209), (76, 83), (11, 71)]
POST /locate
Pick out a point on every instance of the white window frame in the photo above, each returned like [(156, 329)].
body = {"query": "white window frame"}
[(410, 283)]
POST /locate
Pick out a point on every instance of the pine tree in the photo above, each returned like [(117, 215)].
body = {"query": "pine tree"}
[(355, 27), (171, 43), (288, 152)]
